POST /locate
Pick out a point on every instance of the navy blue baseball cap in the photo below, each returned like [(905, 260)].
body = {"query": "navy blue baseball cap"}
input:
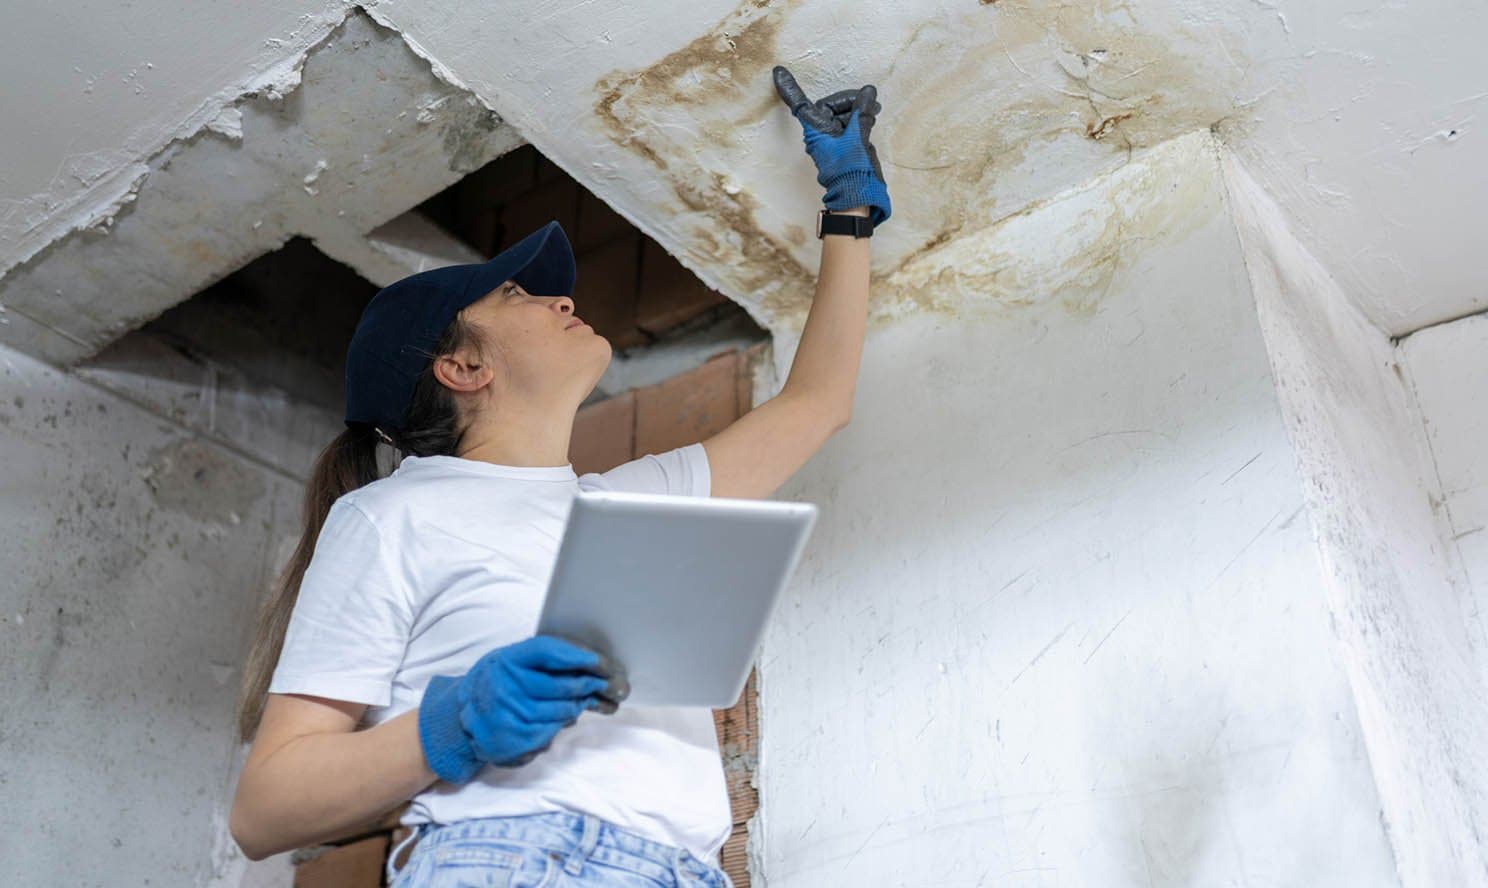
[(402, 323)]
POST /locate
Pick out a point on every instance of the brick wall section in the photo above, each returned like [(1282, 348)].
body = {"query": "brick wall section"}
[(686, 408), (628, 289), (356, 864)]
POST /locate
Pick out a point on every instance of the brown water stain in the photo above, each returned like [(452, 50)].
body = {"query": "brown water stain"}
[(726, 68), (1065, 251), (987, 109), (1030, 78)]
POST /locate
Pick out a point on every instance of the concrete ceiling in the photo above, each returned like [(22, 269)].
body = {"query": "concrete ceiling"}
[(1359, 117)]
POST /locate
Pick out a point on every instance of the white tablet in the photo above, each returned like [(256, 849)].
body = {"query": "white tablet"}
[(677, 589)]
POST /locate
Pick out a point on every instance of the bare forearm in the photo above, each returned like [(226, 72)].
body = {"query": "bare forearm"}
[(322, 785), (831, 346)]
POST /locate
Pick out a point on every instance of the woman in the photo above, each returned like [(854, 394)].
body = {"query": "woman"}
[(373, 678)]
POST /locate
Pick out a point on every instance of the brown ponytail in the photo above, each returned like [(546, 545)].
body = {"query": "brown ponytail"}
[(432, 426)]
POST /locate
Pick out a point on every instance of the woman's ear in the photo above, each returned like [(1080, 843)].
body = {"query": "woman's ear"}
[(462, 371)]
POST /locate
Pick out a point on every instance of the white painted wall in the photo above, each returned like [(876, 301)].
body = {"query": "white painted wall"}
[(1397, 594), (1447, 367), (1062, 621), (1371, 140), (145, 503)]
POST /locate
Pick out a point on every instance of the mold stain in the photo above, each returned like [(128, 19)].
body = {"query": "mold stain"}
[(1038, 85), (989, 109), (726, 68), (1066, 251)]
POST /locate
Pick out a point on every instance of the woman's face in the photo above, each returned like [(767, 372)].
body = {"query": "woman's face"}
[(536, 345)]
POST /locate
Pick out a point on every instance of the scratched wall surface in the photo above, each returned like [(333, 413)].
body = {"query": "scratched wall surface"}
[(1077, 646), (1447, 367)]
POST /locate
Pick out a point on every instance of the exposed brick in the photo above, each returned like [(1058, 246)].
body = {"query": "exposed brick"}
[(482, 194), (670, 294), (688, 407), (734, 857), (505, 177), (604, 294), (357, 865), (603, 434), (533, 209), (598, 222)]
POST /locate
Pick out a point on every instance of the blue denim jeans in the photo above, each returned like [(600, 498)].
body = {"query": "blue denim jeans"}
[(552, 850)]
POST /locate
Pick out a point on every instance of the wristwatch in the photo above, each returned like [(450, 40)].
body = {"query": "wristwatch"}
[(828, 222)]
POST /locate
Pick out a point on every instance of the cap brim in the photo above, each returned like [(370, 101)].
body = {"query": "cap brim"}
[(542, 262)]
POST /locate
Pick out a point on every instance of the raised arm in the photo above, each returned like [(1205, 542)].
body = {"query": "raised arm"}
[(765, 447)]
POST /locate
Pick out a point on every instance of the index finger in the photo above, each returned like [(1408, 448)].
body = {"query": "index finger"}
[(790, 91)]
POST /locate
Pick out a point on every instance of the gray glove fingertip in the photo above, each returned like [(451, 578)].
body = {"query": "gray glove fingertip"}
[(618, 688), (789, 91)]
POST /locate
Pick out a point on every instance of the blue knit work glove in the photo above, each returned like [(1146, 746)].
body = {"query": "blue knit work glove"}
[(511, 704), (836, 131)]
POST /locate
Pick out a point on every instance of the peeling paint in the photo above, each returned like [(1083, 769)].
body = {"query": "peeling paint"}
[(216, 205), (228, 123), (108, 179)]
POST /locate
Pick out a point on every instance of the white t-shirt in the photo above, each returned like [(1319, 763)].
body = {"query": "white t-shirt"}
[(423, 572)]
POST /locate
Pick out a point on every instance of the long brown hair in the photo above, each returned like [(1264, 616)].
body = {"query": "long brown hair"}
[(432, 426)]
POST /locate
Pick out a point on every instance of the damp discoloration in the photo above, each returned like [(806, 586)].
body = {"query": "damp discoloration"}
[(1065, 251), (722, 79), (467, 132), (987, 109), (1050, 84), (202, 482)]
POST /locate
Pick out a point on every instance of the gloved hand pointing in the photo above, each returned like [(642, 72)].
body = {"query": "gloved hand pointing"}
[(511, 704), (836, 131)]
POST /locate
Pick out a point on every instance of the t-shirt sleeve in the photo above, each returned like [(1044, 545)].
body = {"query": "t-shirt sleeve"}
[(351, 621), (683, 472)]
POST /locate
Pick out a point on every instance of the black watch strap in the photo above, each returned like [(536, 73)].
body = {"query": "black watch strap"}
[(828, 222)]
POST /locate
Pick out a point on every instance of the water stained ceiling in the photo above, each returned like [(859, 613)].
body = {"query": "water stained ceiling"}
[(1360, 117)]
